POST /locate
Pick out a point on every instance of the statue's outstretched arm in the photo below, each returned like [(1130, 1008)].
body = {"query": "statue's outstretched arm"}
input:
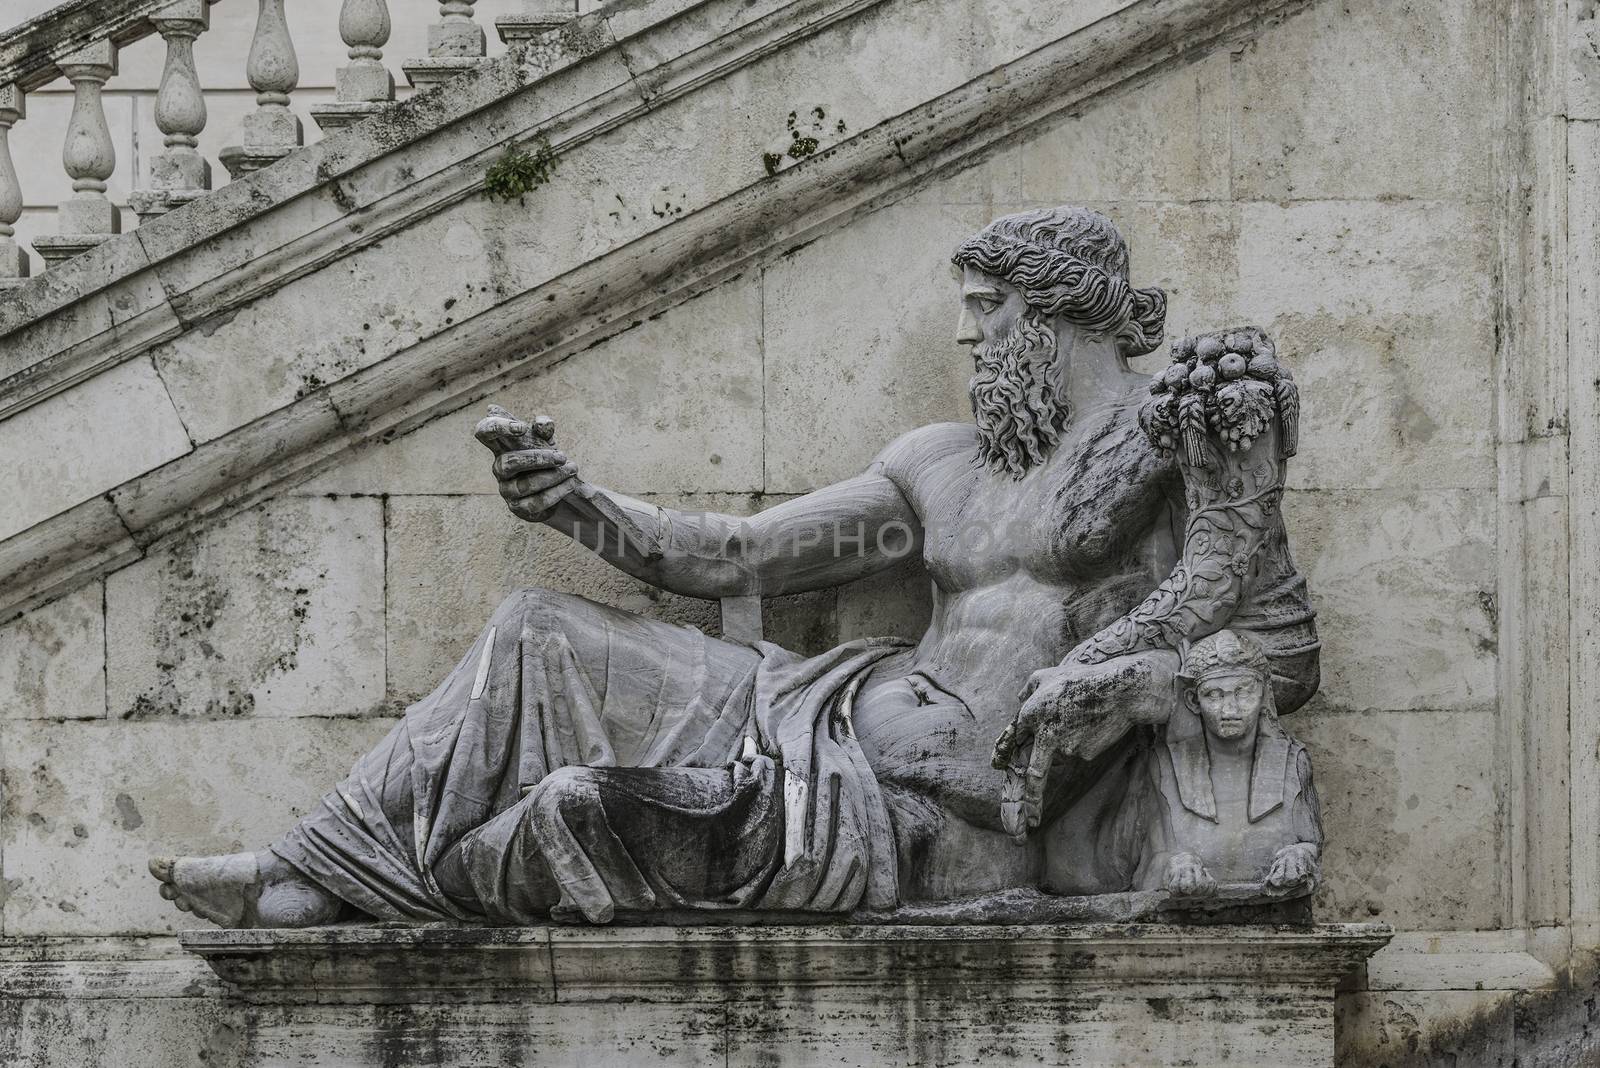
[(823, 538)]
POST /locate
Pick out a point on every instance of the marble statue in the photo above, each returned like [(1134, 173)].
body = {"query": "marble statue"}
[(1080, 532)]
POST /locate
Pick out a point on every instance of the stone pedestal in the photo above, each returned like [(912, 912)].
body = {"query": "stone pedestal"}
[(363, 89), (427, 73), (537, 17), (1097, 994), (86, 220), (338, 115), (271, 132), (13, 263), (176, 178)]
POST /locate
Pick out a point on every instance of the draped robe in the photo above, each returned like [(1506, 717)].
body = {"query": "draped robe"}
[(580, 759)]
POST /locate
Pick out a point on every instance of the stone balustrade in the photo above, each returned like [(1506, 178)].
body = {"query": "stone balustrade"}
[(13, 260), (80, 42), (179, 173)]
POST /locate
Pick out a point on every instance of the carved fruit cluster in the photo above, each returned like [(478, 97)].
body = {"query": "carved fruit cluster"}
[(1230, 385)]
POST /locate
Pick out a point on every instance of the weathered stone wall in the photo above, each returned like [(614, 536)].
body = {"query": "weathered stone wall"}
[(1331, 181)]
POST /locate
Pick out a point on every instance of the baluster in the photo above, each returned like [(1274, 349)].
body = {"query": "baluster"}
[(455, 43), (365, 86), (13, 258), (271, 131), (536, 31), (87, 217), (178, 174)]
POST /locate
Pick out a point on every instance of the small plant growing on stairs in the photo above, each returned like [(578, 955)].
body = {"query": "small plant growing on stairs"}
[(520, 171)]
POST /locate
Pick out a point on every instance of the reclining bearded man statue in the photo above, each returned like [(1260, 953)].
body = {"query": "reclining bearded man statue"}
[(581, 761)]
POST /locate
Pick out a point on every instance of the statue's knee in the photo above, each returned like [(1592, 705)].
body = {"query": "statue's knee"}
[(563, 792), (535, 609)]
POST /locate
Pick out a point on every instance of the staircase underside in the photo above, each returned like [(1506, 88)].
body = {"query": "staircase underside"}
[(365, 285)]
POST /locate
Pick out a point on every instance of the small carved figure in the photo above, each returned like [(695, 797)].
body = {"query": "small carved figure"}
[(1234, 801)]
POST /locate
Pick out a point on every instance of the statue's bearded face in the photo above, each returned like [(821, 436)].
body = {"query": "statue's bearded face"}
[(1017, 398)]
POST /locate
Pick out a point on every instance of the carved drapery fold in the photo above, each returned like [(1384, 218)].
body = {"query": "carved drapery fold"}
[(13, 260), (271, 131), (178, 173)]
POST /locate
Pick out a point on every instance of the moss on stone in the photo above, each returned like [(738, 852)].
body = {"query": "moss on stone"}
[(520, 171)]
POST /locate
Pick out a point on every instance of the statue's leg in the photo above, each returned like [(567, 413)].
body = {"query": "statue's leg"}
[(245, 890), (934, 757), (921, 739), (931, 753), (589, 842), (553, 680)]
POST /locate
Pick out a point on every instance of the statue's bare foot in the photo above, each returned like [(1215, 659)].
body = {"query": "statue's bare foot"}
[(244, 890)]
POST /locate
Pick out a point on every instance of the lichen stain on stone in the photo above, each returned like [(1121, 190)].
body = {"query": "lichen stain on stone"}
[(1417, 427), (128, 814), (225, 1043), (191, 602), (338, 357), (45, 797), (221, 635), (38, 643), (1361, 809), (807, 131), (216, 322), (341, 197), (7, 888)]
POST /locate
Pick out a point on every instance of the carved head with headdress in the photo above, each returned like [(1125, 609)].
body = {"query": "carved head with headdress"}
[(1227, 681), (1070, 266)]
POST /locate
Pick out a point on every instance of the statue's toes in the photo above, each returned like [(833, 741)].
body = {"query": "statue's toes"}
[(169, 892), (161, 867)]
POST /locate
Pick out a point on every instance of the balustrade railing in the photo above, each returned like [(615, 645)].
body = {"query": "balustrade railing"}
[(365, 86), (80, 41), (178, 173)]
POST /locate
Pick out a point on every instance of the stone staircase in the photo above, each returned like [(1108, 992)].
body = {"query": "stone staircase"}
[(81, 40), (242, 339)]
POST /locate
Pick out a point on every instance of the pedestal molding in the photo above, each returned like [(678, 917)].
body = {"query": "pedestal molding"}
[(672, 964)]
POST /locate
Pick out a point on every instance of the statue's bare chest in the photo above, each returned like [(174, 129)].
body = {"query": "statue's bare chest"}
[(1074, 520)]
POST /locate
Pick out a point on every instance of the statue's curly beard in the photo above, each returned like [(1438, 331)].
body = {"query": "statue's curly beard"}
[(1017, 398)]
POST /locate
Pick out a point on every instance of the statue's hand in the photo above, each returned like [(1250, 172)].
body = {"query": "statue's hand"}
[(534, 475), (1025, 751), (1075, 710), (1294, 865), (1187, 876)]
